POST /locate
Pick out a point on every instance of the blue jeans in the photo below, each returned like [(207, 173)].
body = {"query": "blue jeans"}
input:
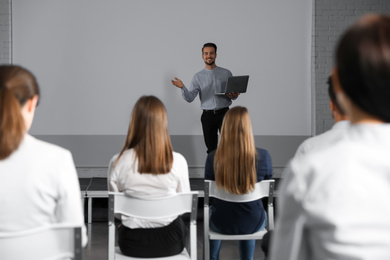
[(246, 247)]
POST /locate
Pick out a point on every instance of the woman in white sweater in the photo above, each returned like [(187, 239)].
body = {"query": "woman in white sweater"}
[(148, 168), (39, 184)]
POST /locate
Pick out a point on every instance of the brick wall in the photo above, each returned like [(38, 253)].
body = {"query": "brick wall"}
[(332, 17), (5, 31)]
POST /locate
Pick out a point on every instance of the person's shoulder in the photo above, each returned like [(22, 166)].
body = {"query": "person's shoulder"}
[(113, 159), (179, 166), (45, 154), (178, 157), (44, 147), (303, 146), (262, 151), (326, 161), (199, 73), (325, 139), (126, 157), (328, 169), (223, 70)]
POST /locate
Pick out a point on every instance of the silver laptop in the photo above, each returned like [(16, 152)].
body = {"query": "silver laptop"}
[(236, 84)]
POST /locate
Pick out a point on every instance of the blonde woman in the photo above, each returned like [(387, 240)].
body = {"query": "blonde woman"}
[(236, 166), (39, 184), (148, 168)]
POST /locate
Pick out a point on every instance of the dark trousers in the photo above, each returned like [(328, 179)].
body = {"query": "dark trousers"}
[(153, 242), (211, 124)]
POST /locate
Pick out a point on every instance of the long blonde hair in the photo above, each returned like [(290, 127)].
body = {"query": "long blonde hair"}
[(17, 85), (148, 136), (235, 158)]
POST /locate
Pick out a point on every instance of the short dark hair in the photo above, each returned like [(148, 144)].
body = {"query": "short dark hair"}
[(332, 96), (210, 44), (363, 64)]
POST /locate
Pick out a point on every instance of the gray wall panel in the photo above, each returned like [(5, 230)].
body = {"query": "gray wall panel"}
[(97, 150)]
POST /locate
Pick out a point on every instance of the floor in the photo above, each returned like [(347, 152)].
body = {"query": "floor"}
[(98, 240)]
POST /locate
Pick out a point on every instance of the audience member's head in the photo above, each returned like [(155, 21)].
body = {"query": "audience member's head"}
[(19, 93), (362, 72), (234, 162), (148, 136)]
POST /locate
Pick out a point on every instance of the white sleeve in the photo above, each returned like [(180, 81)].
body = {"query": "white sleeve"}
[(112, 177), (69, 207), (303, 148), (289, 241), (184, 179)]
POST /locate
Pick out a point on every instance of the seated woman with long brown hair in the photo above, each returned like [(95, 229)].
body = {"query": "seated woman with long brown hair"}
[(147, 167), (236, 166)]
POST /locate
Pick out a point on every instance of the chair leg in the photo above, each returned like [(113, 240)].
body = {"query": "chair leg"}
[(111, 228), (271, 224), (206, 241), (77, 246), (193, 249), (89, 210), (83, 203), (111, 241)]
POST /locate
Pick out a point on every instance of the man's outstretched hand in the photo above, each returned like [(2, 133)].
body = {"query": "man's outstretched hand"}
[(178, 83)]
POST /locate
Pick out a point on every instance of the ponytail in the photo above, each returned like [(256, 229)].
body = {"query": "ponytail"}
[(12, 126), (17, 85)]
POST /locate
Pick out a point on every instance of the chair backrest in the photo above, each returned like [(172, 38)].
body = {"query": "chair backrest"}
[(262, 189), (157, 208), (146, 208), (57, 241)]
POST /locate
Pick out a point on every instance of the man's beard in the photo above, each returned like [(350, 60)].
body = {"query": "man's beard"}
[(210, 63)]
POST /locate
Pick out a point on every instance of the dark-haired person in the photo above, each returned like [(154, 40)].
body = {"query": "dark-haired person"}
[(236, 166), (334, 134), (149, 168), (333, 203), (39, 184), (206, 83)]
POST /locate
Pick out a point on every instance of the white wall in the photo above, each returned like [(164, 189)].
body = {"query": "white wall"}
[(95, 58)]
